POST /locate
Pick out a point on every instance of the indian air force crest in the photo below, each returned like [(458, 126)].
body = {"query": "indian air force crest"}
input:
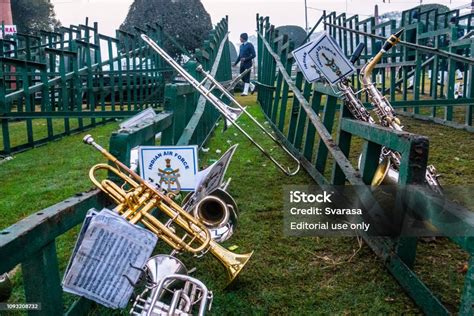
[(172, 169)]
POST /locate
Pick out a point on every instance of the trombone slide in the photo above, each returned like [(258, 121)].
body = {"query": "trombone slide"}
[(231, 114)]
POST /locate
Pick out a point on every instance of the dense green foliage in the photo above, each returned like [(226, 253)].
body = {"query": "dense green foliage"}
[(185, 20), (233, 52), (30, 16), (295, 33), (426, 7)]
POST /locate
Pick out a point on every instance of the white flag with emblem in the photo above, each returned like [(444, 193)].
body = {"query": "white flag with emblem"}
[(329, 59), (306, 64), (172, 168)]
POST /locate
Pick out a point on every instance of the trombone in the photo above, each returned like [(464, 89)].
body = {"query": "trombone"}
[(136, 203), (231, 114)]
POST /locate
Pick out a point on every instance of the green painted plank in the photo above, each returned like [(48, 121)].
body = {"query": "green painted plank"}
[(397, 140), (34, 232), (302, 119), (41, 281), (295, 109), (344, 142), (311, 133), (369, 161), (328, 121)]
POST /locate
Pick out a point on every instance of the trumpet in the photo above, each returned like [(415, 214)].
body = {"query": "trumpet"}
[(170, 290), (230, 114), (136, 203)]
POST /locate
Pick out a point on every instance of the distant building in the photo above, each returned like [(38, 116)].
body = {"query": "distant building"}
[(6, 12)]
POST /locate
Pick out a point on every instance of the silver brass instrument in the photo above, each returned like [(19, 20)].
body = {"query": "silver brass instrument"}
[(217, 211), (387, 171), (352, 102), (382, 107), (231, 114), (387, 116), (136, 199), (170, 290)]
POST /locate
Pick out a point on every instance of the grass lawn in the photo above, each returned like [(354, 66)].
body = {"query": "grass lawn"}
[(18, 130), (286, 275)]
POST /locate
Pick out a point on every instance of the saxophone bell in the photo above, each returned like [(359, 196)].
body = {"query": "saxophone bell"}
[(385, 174)]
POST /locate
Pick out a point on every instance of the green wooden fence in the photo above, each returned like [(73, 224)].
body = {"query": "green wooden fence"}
[(305, 117), (430, 74), (31, 241), (57, 83)]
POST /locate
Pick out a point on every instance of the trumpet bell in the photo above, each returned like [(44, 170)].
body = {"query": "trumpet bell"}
[(219, 213), (234, 263)]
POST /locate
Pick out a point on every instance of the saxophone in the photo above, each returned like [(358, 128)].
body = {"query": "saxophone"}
[(383, 108), (387, 117)]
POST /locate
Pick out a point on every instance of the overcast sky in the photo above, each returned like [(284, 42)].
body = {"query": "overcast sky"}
[(111, 13)]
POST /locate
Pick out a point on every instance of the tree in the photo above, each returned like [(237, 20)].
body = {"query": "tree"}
[(233, 52), (30, 16), (185, 20), (426, 7), (295, 33)]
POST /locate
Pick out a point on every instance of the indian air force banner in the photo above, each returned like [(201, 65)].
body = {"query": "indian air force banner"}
[(172, 168)]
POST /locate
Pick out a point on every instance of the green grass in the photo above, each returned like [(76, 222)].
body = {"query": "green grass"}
[(286, 275), (18, 130), (46, 175), (42, 176)]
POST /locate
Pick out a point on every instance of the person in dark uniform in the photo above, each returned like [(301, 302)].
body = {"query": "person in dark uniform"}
[(246, 55)]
